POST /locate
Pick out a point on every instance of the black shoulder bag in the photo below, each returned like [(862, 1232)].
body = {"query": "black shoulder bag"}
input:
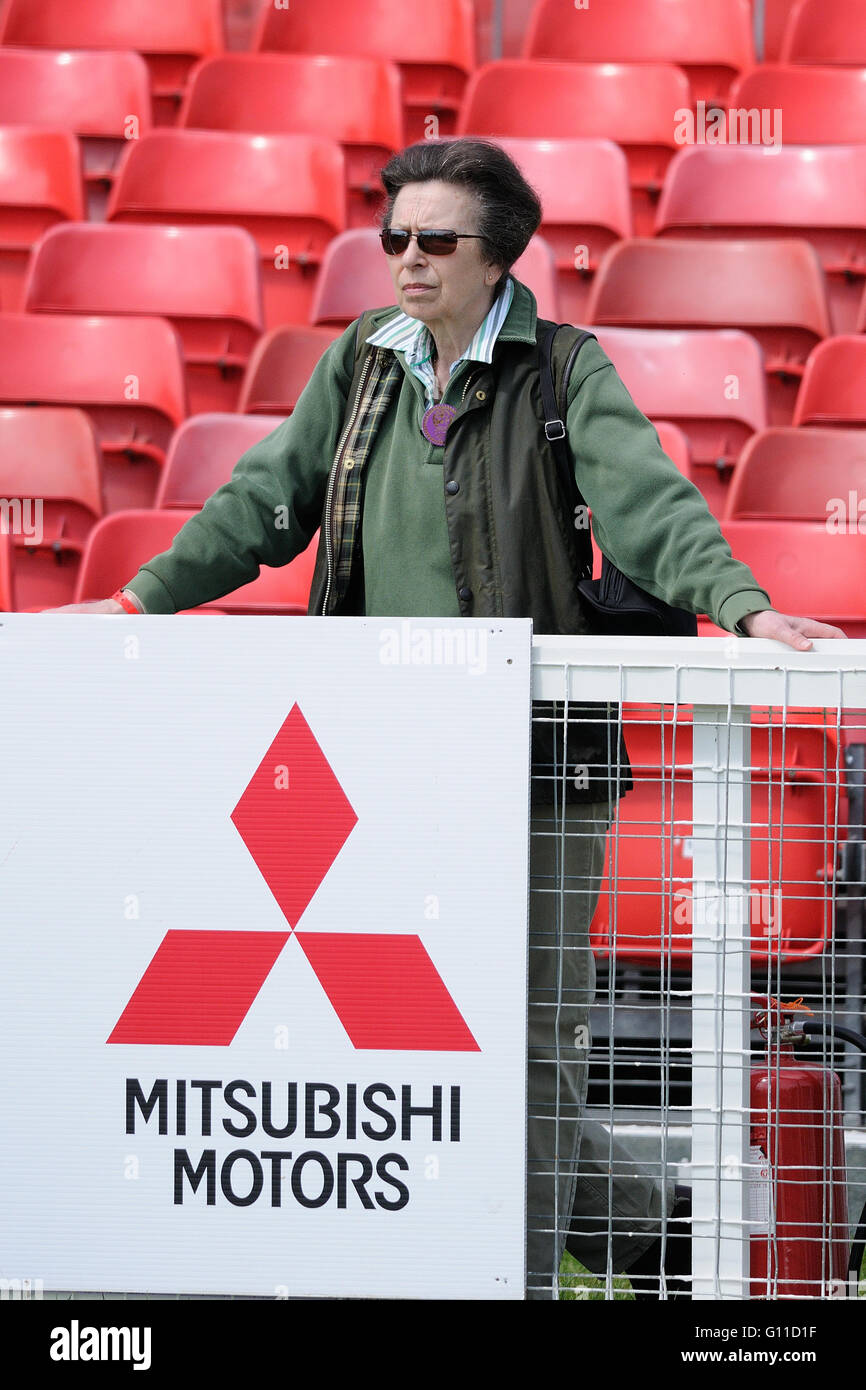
[(613, 603)]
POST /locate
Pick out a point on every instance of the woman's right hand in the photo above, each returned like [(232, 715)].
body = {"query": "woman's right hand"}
[(98, 605)]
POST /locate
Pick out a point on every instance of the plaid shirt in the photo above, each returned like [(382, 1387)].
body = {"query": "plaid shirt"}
[(379, 382)]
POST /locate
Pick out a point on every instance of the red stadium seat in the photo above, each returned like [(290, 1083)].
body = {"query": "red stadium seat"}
[(356, 101), (798, 475), (103, 98), (796, 772), (279, 368), (833, 389), (501, 35), (711, 384), (537, 269), (203, 453), (826, 31), (354, 276), (120, 544), (127, 373), (584, 190), (170, 37), (50, 461), (711, 43), (635, 106), (676, 446), (287, 191), (819, 106), (806, 569), (40, 185), (773, 289), (435, 54), (7, 577), (239, 18), (282, 592), (205, 279), (776, 14), (816, 193)]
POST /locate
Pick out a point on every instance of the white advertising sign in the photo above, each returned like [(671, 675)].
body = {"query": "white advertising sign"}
[(263, 885)]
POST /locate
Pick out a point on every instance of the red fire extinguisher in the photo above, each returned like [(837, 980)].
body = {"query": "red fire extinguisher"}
[(798, 1208)]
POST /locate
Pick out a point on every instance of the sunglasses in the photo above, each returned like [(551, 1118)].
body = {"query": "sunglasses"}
[(432, 243)]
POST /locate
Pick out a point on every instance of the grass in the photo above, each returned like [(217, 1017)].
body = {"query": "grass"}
[(575, 1282)]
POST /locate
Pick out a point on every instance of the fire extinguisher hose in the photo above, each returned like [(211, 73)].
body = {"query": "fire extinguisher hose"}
[(848, 1034)]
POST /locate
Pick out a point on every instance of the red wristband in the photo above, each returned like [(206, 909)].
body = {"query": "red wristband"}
[(120, 597)]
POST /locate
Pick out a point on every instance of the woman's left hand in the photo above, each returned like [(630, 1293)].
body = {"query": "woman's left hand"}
[(796, 632)]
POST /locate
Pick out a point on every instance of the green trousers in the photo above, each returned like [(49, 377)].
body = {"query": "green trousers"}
[(584, 1186)]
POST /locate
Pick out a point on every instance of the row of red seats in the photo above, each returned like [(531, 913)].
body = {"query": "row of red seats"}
[(787, 559), (711, 44), (434, 57), (288, 193), (505, 33), (815, 478), (98, 94), (208, 281), (131, 376), (103, 99), (797, 31), (62, 548), (646, 110), (55, 453)]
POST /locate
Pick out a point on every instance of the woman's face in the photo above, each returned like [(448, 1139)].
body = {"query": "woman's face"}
[(450, 291)]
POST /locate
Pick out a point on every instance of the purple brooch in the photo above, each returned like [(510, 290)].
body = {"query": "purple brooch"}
[(434, 425)]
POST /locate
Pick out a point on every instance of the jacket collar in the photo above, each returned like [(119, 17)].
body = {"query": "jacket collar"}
[(519, 326), (520, 323)]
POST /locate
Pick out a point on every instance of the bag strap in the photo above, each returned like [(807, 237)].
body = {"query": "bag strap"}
[(555, 432)]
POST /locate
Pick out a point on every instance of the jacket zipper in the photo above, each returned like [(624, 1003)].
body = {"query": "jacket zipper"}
[(466, 386), (329, 548)]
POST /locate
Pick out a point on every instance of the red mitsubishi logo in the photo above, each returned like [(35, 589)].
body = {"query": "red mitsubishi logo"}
[(294, 819)]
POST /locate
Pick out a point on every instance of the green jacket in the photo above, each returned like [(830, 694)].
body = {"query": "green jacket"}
[(499, 543), (650, 520)]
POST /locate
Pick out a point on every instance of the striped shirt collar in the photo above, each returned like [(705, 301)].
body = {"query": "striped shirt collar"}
[(414, 339)]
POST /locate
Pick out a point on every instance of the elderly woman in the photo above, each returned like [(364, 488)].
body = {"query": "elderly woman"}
[(419, 447)]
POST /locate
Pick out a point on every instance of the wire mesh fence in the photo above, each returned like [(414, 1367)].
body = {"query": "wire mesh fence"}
[(712, 940)]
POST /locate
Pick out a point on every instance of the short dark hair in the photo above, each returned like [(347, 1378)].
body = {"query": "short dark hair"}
[(510, 209)]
